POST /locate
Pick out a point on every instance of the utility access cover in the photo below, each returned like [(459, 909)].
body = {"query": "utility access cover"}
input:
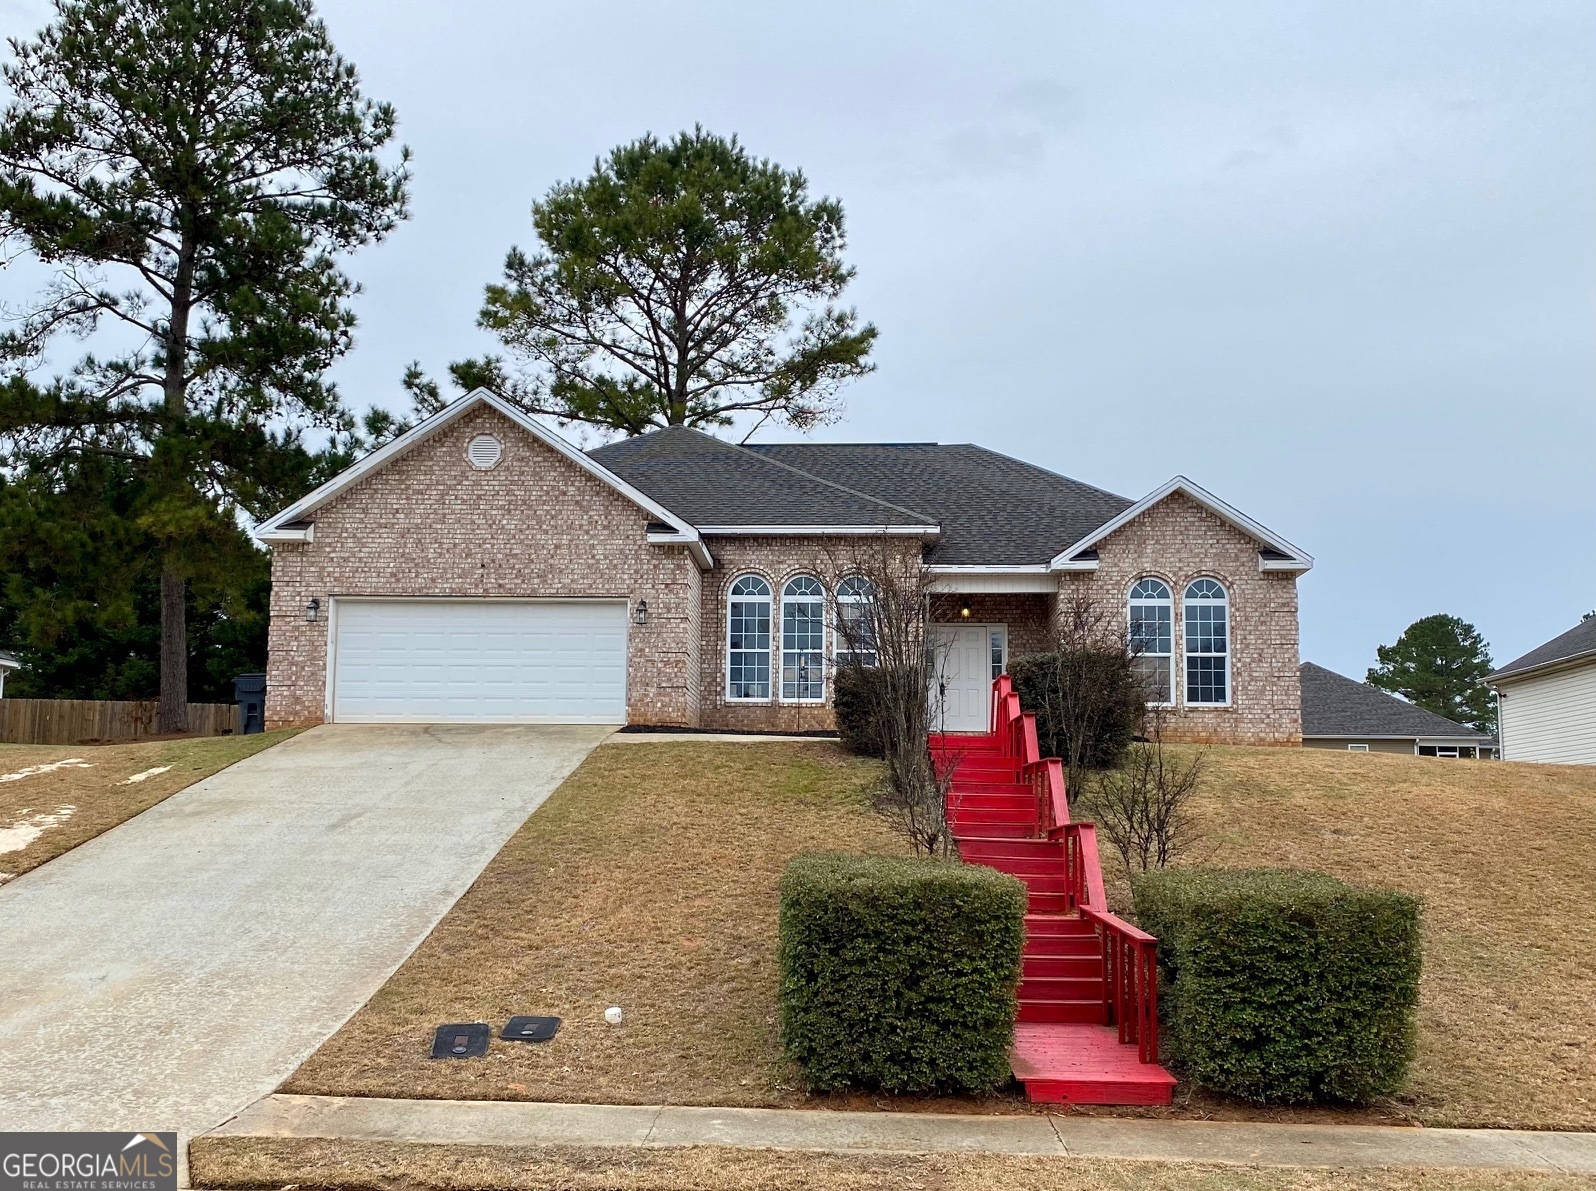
[(530, 1029), (463, 1040)]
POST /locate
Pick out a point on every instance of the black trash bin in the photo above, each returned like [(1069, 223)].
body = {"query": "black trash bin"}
[(250, 692)]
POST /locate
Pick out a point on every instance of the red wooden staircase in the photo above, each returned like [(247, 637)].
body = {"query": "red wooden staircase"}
[(1087, 1027)]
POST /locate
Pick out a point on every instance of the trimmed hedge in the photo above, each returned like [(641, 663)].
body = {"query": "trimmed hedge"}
[(1284, 986), (856, 702), (1106, 686), (899, 973)]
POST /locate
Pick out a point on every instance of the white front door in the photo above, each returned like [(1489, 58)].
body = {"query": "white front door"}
[(469, 661), (962, 671)]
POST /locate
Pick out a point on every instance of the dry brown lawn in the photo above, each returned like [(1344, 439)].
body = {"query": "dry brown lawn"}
[(1503, 856), (249, 1162), (46, 813), (647, 881)]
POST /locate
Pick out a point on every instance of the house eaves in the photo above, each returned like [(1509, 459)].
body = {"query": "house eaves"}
[(292, 525), (1276, 553)]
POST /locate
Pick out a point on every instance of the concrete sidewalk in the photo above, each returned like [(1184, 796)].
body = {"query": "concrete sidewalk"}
[(482, 1122)]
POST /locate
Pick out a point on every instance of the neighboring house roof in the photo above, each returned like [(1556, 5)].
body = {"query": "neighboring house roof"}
[(1576, 644), (8, 662), (1335, 705), (717, 485)]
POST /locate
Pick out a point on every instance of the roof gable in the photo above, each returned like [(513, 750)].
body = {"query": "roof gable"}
[(1579, 642), (284, 528), (1275, 553), (1335, 705)]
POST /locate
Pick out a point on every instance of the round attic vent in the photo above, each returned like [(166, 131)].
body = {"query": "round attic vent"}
[(484, 452)]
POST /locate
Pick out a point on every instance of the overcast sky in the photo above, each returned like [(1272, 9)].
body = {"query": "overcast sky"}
[(1335, 262)]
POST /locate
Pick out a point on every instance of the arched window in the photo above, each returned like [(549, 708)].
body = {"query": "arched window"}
[(1207, 629), (1152, 638), (803, 640), (748, 639), (856, 628)]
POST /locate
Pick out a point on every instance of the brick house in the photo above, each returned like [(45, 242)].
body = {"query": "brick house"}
[(482, 569)]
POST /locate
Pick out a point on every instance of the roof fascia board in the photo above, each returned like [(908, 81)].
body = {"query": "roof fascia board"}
[(694, 544), (913, 531), (1301, 560), (1394, 736), (1572, 661), (428, 427), (280, 535)]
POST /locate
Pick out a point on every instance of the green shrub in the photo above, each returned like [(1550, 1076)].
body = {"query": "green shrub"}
[(1284, 986), (1087, 704), (856, 700), (899, 973)]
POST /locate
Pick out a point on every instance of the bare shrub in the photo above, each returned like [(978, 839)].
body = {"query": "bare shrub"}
[(882, 624), (1087, 694), (1144, 807)]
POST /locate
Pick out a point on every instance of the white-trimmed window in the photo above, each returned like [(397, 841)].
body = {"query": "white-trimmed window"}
[(1357, 748), (803, 640), (748, 639), (856, 644), (1207, 628), (1152, 638)]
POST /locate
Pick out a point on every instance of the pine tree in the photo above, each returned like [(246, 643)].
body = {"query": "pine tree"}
[(682, 283), (189, 170), (1440, 664)]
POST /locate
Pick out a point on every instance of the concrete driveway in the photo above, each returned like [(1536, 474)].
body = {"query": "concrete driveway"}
[(171, 971)]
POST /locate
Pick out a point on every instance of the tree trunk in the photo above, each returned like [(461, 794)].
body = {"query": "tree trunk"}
[(172, 715)]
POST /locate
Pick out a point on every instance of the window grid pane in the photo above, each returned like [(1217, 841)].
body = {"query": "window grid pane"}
[(803, 638), (1152, 638), (748, 644), (1207, 643)]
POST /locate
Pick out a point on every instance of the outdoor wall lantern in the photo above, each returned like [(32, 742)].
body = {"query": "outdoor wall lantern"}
[(964, 610), (640, 616), (312, 610)]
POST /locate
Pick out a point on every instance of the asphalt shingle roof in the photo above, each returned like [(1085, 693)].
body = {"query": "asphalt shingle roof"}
[(710, 482), (7, 659), (1581, 639), (993, 510), (1335, 705)]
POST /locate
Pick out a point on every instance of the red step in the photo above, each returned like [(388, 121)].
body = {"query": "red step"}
[(1062, 967), (1084, 1064), (1086, 1011), (1047, 903), (993, 831), (1062, 988)]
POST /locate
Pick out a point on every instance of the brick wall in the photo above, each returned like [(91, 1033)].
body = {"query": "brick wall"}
[(1179, 540), (1027, 615), (536, 525)]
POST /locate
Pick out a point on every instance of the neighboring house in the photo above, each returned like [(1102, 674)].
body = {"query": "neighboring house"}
[(1546, 700), (482, 569), (1342, 713), (7, 664)]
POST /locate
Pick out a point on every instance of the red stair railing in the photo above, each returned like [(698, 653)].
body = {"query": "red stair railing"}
[(1130, 956)]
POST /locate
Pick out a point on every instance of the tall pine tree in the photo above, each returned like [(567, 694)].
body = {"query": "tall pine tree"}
[(188, 170), (1440, 663)]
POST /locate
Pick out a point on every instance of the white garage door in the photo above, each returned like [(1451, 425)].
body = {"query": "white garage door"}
[(479, 662)]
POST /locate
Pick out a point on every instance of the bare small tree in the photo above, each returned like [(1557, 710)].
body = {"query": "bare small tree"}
[(881, 615), (1145, 806)]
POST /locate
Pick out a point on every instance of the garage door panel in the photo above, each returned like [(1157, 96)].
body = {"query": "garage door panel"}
[(465, 661)]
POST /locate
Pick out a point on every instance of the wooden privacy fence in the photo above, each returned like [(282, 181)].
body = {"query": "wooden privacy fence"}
[(70, 721)]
